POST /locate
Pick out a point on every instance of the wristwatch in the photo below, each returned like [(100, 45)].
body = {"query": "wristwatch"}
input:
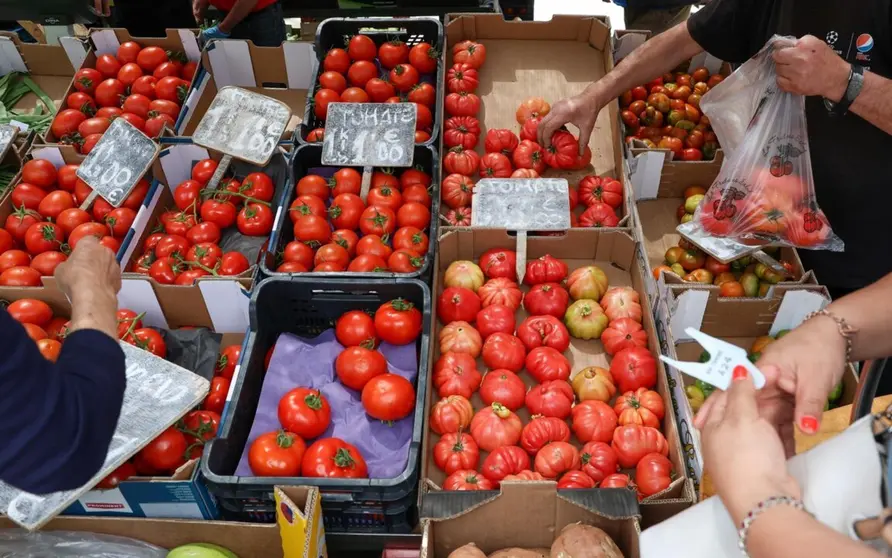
[(856, 82)]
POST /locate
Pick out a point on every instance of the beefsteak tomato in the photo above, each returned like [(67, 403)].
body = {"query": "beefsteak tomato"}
[(587, 282), (594, 383), (541, 431), (503, 386), (634, 368), (501, 350), (495, 426), (500, 291), (458, 304), (456, 374), (544, 331), (504, 461), (556, 458), (545, 364), (451, 414), (593, 421), (547, 299), (576, 479), (553, 398), (546, 269), (460, 337), (585, 319), (642, 406), (622, 334), (499, 262), (598, 460), (455, 451), (501, 141), (631, 442), (653, 474), (495, 318), (467, 479)]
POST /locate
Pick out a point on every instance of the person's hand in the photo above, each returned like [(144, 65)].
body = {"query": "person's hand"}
[(742, 452), (90, 268), (213, 33), (581, 111), (101, 8), (809, 66), (199, 8)]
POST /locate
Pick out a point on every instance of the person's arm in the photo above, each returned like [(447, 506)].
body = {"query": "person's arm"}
[(239, 11), (869, 310), (57, 420), (785, 531)]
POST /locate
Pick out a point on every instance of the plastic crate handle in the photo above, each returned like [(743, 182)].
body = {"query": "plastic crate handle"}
[(337, 497)]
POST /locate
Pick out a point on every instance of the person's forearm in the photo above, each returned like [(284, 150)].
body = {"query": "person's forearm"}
[(785, 531), (239, 11), (869, 310), (874, 103), (655, 57), (94, 309)]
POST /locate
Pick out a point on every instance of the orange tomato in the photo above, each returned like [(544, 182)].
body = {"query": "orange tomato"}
[(722, 277), (760, 343), (49, 348), (693, 191), (660, 268), (731, 289)]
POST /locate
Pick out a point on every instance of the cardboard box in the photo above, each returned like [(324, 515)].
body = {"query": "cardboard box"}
[(613, 252), (299, 530), (524, 515), (659, 191), (284, 73), (551, 59), (736, 320), (173, 166), (107, 41)]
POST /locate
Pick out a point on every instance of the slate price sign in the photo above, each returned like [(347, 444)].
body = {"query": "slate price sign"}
[(7, 136), (369, 135), (117, 162), (522, 204)]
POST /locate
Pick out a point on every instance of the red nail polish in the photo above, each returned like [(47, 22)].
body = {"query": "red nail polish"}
[(808, 424), (739, 373)]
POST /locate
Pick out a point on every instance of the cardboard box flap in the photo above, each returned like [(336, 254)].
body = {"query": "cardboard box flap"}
[(689, 309), (175, 163), (795, 306), (708, 61), (10, 58), (626, 41), (107, 41), (299, 61), (483, 27), (443, 505), (231, 63), (653, 178), (138, 295), (75, 49), (615, 503)]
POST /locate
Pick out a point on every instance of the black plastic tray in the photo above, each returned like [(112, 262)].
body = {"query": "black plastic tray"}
[(308, 157), (336, 32), (307, 307)]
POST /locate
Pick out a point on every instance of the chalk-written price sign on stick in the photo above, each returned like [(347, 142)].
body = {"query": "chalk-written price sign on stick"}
[(158, 393), (369, 135), (117, 163), (521, 204), (243, 125)]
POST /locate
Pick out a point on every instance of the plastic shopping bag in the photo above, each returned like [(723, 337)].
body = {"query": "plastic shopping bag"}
[(765, 192)]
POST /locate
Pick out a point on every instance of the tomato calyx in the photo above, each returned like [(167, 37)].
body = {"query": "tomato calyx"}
[(313, 401), (343, 460), (284, 439), (401, 305), (500, 410)]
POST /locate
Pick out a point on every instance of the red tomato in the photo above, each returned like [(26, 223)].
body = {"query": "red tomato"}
[(575, 479), (151, 57), (413, 214), (167, 69), (312, 229), (455, 452), (14, 258), (504, 461), (373, 244), (462, 104), (501, 141), (367, 263), (116, 477), (424, 57), (336, 60), (199, 427), (229, 356), (47, 262), (204, 170), (66, 122), (355, 328), (276, 454), (398, 322), (546, 269), (354, 95), (332, 253), (67, 177), (333, 457), (593, 421), (58, 328), (347, 239), (356, 365), (467, 479), (86, 80), (40, 173), (6, 241), (258, 185), (404, 77), (110, 93), (333, 80), (207, 254), (167, 451), (393, 53), (321, 101), (500, 291), (617, 480), (501, 350), (128, 74), (456, 374), (495, 318), (346, 181), (144, 85), (632, 442), (137, 104), (31, 311), (634, 368), (255, 219), (120, 220), (90, 142), (128, 320), (172, 244), (451, 414), (556, 458), (385, 197), (495, 165), (424, 94), (469, 52), (107, 65), (233, 263), (222, 213), (150, 340), (27, 195), (188, 71), (547, 299), (156, 124), (203, 233), (172, 89), (424, 118), (94, 125), (305, 412), (19, 221), (414, 176), (495, 426), (138, 122), (20, 276), (216, 399), (598, 460), (43, 237), (361, 72), (551, 398), (388, 397), (109, 112), (544, 331), (503, 386), (541, 431), (377, 220), (653, 474)]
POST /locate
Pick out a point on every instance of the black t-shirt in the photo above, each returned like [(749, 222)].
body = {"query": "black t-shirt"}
[(851, 158)]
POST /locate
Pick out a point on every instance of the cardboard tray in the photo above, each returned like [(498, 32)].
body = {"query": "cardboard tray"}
[(107, 41), (736, 320), (283, 73), (309, 156), (554, 60), (525, 515), (614, 252), (335, 32)]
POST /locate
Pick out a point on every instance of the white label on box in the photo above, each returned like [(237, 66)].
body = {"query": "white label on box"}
[(227, 305), (626, 44), (794, 307), (105, 501), (231, 64), (10, 57), (299, 59), (75, 49), (177, 160), (51, 154), (105, 41), (688, 312), (139, 296), (190, 45), (646, 178)]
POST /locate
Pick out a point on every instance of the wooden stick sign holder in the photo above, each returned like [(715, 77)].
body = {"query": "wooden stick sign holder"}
[(726, 250), (369, 135), (117, 162), (522, 205), (241, 125)]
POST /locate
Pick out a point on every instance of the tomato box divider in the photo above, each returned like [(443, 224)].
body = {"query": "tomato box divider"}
[(335, 32), (309, 156), (307, 307), (614, 251)]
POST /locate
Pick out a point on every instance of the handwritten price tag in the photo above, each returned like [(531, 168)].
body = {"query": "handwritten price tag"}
[(369, 135)]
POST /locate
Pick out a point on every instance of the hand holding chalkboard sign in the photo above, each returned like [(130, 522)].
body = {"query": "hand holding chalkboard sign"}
[(117, 162)]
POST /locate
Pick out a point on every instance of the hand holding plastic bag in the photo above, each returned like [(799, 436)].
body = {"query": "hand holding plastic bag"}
[(765, 192)]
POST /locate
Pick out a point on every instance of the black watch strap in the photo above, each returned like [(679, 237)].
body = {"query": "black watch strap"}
[(853, 89)]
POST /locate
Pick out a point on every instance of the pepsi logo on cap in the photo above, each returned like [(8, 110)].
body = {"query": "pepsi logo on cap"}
[(864, 43)]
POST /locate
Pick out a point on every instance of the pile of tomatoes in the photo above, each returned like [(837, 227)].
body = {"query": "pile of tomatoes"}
[(480, 307), (665, 114), (46, 222), (144, 86), (184, 441), (335, 230), (187, 246), (46, 329), (367, 73), (305, 414)]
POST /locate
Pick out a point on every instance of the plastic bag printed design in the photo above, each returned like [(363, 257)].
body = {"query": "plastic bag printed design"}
[(765, 192)]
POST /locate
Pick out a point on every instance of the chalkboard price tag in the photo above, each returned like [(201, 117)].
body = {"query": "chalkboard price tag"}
[(158, 393), (522, 204), (8, 134), (369, 135), (243, 124), (117, 163)]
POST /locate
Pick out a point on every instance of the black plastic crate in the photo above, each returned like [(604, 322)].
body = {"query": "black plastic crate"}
[(309, 157), (336, 32), (307, 307)]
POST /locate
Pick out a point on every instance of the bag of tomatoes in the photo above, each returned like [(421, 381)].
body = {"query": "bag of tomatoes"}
[(765, 191)]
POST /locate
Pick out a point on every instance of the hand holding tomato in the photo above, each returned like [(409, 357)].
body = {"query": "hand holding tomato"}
[(743, 451), (581, 111), (92, 275)]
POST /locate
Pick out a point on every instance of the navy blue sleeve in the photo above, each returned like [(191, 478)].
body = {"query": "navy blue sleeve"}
[(57, 420), (732, 30)]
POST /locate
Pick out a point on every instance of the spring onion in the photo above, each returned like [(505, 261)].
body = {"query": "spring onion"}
[(13, 87)]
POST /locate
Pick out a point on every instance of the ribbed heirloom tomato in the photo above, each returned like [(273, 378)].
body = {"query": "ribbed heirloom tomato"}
[(504, 461), (653, 474), (632, 442), (642, 406), (541, 431), (467, 479), (556, 458), (495, 426), (454, 452), (551, 398), (451, 414), (593, 421), (544, 331), (456, 374), (502, 350), (547, 299), (500, 291), (503, 386), (598, 460)]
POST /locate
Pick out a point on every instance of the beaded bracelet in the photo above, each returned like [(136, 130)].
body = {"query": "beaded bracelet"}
[(761, 507), (846, 331)]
